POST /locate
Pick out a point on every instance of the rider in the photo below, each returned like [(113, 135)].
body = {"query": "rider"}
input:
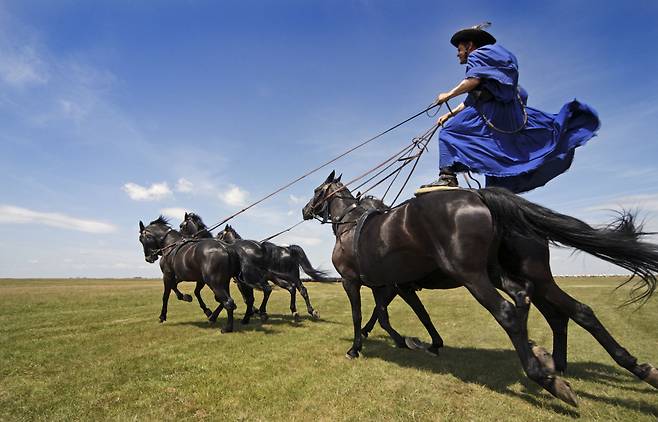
[(493, 132)]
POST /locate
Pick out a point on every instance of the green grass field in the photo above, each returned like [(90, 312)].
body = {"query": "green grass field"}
[(93, 350)]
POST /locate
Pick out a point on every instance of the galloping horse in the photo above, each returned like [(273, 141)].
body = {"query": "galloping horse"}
[(205, 261), (281, 264), (473, 239)]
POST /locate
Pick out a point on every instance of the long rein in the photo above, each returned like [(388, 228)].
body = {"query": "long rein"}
[(406, 160)]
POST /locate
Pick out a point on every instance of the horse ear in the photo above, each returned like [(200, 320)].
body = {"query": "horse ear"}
[(226, 228), (141, 226), (331, 177), (185, 218), (338, 178)]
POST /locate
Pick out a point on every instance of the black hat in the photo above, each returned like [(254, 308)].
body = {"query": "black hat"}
[(475, 34)]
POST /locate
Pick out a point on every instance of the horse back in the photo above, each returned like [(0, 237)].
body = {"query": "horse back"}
[(425, 236)]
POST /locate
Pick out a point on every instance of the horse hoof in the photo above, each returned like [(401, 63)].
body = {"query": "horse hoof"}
[(296, 317), (161, 320), (212, 320), (414, 343), (364, 333), (226, 330), (545, 358), (562, 390), (244, 322), (315, 314), (352, 354), (433, 350), (264, 317), (187, 298), (652, 376)]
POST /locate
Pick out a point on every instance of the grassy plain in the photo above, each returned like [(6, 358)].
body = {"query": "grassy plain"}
[(93, 350)]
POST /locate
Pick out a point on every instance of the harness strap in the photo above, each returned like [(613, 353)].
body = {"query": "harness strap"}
[(357, 236)]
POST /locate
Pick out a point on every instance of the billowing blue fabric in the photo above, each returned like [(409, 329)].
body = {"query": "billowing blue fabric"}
[(521, 161)]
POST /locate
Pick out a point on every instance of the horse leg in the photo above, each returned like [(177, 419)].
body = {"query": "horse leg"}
[(181, 296), (168, 280), (409, 295), (213, 316), (584, 316), (381, 302), (353, 290), (221, 290), (309, 308), (255, 278), (293, 303), (558, 323), (527, 263), (165, 300), (522, 295), (248, 296), (202, 304), (506, 314), (386, 300)]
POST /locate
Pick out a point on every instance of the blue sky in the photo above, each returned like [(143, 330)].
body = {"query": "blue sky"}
[(116, 111)]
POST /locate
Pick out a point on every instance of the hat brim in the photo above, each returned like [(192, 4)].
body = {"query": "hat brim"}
[(478, 36)]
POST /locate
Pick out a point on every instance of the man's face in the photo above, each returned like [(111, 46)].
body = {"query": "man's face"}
[(462, 51)]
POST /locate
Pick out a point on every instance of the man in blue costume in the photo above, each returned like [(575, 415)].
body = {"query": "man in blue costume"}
[(494, 133)]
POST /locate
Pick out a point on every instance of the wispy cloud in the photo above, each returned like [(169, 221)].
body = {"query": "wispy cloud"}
[(21, 66), (155, 192), (177, 213), (16, 215), (296, 200), (184, 185), (234, 196), (646, 202)]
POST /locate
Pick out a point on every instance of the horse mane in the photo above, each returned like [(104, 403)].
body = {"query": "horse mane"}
[(198, 221), (237, 236), (161, 220)]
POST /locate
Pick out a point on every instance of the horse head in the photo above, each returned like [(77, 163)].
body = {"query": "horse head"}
[(323, 195), (152, 237), (228, 235), (191, 225)]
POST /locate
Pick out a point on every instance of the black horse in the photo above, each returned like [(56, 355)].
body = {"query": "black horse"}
[(206, 261), (471, 239), (281, 264), (385, 295)]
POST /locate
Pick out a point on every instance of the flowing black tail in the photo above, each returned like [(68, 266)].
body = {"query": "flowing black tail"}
[(619, 244), (299, 255)]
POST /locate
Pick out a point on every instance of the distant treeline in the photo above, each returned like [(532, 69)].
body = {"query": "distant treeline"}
[(326, 280)]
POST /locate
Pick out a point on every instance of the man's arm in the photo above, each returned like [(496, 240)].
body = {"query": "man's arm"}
[(449, 114), (464, 86)]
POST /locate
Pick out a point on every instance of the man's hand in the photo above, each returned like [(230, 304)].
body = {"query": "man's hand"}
[(442, 98), (443, 119)]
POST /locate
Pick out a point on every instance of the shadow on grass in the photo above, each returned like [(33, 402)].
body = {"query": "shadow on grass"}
[(255, 325), (499, 369)]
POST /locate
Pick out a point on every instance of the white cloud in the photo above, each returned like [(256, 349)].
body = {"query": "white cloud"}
[(21, 67), (10, 214), (177, 213), (155, 192), (184, 185), (234, 196), (645, 202), (296, 199)]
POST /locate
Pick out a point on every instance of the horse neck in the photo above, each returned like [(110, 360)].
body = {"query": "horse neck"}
[(170, 238), (339, 205)]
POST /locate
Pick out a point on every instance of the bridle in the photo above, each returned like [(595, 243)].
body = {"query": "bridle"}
[(323, 216), (160, 251)]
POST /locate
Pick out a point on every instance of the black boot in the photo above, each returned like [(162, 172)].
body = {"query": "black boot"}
[(447, 178)]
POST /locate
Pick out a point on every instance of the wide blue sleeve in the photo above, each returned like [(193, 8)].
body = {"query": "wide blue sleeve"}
[(494, 63)]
